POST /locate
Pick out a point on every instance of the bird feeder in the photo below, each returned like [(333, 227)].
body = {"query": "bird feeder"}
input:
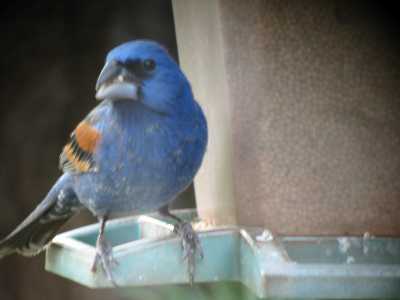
[(300, 181), (149, 254)]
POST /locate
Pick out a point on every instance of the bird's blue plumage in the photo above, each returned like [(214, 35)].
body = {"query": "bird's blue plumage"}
[(135, 152), (150, 149), (167, 90)]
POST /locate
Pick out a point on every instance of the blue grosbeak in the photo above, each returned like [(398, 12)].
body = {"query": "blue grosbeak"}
[(134, 152)]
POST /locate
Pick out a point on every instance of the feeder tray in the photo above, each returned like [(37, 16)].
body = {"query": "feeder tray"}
[(148, 254)]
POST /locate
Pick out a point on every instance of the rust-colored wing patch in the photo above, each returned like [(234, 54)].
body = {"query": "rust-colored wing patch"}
[(87, 137), (77, 155)]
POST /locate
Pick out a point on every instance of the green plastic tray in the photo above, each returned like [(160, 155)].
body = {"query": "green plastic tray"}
[(287, 267)]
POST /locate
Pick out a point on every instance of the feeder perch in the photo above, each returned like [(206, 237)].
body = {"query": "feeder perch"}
[(148, 254)]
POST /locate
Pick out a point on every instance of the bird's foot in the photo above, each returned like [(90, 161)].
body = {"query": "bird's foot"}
[(190, 247), (104, 257)]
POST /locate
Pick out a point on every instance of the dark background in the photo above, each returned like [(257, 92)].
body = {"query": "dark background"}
[(51, 54)]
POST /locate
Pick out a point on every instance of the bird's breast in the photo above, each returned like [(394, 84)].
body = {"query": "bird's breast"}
[(143, 163), (156, 154)]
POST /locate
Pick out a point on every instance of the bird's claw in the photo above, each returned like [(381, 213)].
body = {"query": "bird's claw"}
[(190, 247), (105, 258)]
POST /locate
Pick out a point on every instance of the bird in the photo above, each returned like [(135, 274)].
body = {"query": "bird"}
[(135, 152)]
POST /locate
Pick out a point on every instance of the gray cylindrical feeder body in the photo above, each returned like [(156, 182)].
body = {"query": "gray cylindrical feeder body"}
[(302, 100)]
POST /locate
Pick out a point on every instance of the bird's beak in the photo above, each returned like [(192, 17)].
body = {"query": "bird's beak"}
[(116, 82)]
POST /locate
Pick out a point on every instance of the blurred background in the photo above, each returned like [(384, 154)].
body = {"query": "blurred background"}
[(51, 55)]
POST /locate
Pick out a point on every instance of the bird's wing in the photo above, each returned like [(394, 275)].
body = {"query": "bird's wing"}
[(77, 155), (38, 229)]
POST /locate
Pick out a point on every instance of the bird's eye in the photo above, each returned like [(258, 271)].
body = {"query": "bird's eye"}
[(149, 65)]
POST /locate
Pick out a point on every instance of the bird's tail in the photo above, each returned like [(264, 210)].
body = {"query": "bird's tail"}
[(38, 229)]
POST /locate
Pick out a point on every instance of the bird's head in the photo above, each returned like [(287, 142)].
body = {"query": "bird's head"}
[(142, 71)]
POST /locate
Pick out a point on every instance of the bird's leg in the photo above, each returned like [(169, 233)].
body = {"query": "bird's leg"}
[(189, 240), (104, 253)]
